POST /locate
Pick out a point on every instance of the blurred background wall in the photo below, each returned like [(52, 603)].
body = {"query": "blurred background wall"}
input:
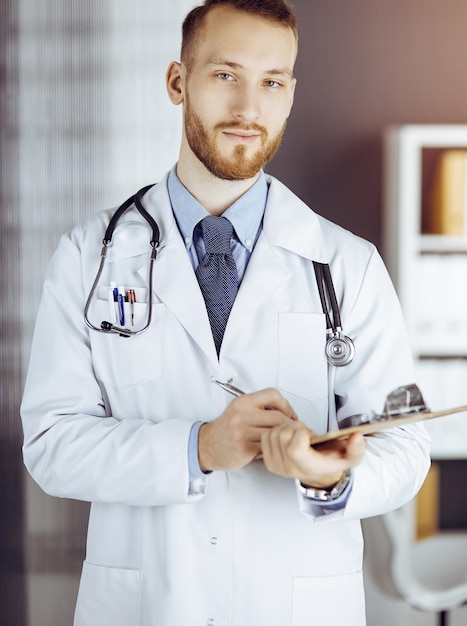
[(85, 121), (363, 65)]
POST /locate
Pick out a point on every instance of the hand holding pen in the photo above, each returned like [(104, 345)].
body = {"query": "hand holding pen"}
[(233, 440), (286, 450)]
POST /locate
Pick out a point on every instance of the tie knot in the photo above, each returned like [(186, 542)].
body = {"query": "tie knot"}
[(217, 233)]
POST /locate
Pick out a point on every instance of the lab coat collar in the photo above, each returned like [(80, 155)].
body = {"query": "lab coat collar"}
[(284, 211)]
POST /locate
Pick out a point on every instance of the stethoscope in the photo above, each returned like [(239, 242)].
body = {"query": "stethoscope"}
[(108, 327), (340, 349)]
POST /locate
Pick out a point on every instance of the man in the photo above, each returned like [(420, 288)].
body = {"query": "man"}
[(208, 510)]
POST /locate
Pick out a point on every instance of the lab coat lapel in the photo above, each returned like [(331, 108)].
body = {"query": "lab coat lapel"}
[(291, 225), (266, 273), (174, 281), (176, 285), (288, 226)]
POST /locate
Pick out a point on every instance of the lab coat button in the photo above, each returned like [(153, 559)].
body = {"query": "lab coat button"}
[(214, 542), (211, 622)]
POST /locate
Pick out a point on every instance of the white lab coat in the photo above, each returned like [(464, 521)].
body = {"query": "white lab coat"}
[(107, 420)]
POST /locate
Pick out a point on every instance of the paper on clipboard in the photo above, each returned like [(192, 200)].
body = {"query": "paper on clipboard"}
[(389, 422)]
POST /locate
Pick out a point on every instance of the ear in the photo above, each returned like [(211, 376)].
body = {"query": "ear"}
[(292, 94), (174, 80)]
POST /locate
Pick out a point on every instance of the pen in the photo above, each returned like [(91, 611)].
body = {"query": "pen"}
[(132, 299), (121, 305), (113, 286), (115, 295), (235, 391), (111, 301)]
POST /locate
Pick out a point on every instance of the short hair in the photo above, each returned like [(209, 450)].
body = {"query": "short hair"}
[(275, 10)]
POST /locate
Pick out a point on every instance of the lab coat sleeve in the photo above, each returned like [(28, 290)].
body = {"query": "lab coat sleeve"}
[(72, 447), (396, 460)]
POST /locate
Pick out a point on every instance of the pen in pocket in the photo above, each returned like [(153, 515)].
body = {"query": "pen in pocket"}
[(111, 298), (121, 305), (131, 297)]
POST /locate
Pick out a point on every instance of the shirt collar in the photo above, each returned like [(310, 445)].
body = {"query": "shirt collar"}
[(245, 214)]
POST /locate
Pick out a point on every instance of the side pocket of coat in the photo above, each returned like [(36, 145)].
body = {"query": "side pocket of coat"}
[(330, 600), (108, 596)]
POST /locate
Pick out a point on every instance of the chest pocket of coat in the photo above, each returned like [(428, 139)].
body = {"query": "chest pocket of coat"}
[(302, 360), (126, 362)]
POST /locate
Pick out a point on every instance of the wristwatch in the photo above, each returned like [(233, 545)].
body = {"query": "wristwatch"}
[(326, 495)]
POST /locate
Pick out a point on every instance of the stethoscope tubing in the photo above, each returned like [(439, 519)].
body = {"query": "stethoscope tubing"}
[(133, 200)]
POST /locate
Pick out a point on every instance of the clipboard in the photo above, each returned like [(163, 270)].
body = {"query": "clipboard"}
[(384, 423)]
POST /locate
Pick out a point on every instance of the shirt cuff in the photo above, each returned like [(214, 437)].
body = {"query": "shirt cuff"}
[(197, 478)]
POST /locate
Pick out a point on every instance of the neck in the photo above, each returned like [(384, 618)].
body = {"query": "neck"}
[(214, 194)]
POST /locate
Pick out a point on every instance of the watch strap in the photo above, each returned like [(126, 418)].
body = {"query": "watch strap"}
[(326, 495)]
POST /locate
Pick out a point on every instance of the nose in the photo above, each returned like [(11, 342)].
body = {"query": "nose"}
[(246, 104)]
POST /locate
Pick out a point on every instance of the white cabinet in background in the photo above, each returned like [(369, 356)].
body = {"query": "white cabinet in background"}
[(429, 272)]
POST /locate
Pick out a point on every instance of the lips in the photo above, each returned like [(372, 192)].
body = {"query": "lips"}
[(242, 136), (242, 133)]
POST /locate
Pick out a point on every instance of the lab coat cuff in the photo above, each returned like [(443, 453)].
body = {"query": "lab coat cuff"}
[(197, 478)]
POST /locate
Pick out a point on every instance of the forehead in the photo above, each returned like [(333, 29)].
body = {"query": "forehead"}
[(248, 40)]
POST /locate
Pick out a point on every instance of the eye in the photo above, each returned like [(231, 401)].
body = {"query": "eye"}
[(224, 76), (273, 84)]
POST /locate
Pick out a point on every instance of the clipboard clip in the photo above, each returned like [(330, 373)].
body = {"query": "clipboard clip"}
[(402, 401)]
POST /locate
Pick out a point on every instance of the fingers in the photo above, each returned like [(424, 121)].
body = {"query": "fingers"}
[(350, 449), (287, 451), (259, 410), (271, 399), (282, 445), (355, 449)]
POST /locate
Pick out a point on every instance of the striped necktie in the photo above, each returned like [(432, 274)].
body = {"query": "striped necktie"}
[(217, 274)]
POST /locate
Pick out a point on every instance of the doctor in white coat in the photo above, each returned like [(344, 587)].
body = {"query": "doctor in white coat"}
[(208, 510)]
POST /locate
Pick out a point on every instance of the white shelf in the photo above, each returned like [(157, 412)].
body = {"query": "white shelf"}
[(442, 244), (430, 276)]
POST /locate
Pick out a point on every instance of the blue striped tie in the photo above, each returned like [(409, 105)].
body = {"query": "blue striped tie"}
[(217, 274)]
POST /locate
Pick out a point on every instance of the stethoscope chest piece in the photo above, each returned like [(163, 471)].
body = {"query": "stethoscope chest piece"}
[(340, 349)]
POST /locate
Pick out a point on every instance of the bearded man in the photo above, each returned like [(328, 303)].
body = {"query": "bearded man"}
[(208, 510)]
